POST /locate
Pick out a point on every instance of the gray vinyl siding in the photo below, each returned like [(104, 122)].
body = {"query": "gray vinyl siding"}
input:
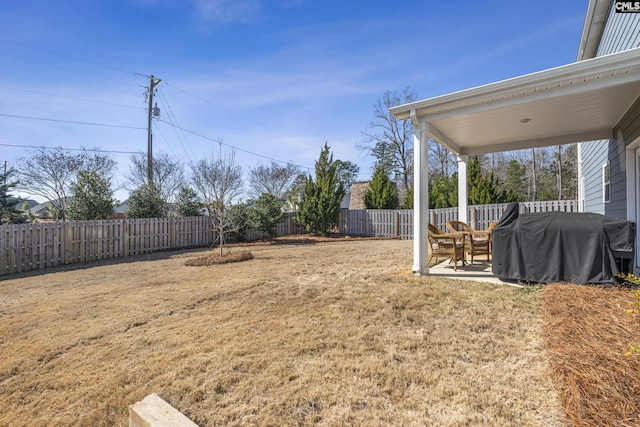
[(621, 32), (617, 207), (629, 125), (594, 155)]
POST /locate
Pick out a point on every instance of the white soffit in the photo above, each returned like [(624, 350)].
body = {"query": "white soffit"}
[(578, 102)]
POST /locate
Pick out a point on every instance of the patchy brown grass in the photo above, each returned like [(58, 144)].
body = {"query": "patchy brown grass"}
[(328, 334), (214, 258), (588, 332)]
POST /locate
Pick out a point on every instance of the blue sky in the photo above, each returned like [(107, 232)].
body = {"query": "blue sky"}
[(278, 78)]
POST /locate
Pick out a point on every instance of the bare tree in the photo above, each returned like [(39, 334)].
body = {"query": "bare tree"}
[(441, 161), (168, 176), (50, 173), (390, 140), (219, 183), (559, 169), (273, 179)]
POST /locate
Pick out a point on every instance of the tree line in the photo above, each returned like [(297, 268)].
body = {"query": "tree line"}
[(548, 173)]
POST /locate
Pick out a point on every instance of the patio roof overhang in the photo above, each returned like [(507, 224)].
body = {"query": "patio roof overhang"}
[(581, 101)]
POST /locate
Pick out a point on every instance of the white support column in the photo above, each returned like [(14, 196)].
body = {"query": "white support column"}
[(463, 202), (420, 198)]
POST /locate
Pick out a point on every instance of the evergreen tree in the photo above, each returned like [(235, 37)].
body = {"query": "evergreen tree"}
[(320, 204), (516, 180), (381, 194), (443, 192), (482, 189), (347, 172), (145, 202), (407, 202), (9, 212), (187, 203), (266, 214), (92, 197)]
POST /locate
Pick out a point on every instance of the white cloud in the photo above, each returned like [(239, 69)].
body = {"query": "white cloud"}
[(228, 11)]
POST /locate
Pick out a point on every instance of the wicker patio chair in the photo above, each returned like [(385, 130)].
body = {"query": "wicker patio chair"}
[(448, 245), (476, 242)]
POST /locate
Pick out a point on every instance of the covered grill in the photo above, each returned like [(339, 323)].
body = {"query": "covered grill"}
[(561, 247)]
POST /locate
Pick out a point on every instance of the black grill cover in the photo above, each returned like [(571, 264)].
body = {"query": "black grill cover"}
[(560, 247)]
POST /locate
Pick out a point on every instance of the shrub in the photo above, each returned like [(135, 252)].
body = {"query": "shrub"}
[(266, 214)]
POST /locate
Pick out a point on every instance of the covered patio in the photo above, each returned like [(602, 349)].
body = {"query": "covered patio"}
[(582, 101)]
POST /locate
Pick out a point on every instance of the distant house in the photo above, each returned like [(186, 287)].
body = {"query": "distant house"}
[(119, 210), (30, 204), (356, 199), (43, 211), (596, 98)]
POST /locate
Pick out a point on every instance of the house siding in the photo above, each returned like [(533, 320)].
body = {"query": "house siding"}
[(630, 124), (594, 154), (621, 32)]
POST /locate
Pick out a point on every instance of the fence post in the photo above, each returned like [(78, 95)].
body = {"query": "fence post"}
[(473, 218), (397, 218), (172, 232), (125, 237), (68, 243), (364, 222)]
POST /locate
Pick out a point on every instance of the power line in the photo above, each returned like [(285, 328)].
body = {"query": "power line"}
[(172, 118), (219, 141), (165, 138), (227, 110), (70, 97), (68, 69), (71, 121), (97, 150), (39, 49)]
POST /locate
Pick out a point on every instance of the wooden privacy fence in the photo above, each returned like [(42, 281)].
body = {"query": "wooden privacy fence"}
[(399, 223), (25, 247)]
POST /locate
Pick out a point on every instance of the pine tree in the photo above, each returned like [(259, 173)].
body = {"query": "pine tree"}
[(320, 204), (443, 192), (407, 203), (381, 194), (516, 181), (92, 197), (9, 213), (482, 189)]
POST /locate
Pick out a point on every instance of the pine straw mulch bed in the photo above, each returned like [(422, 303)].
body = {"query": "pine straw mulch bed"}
[(214, 258), (588, 334)]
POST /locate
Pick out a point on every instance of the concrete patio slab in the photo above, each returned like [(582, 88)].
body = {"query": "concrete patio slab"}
[(479, 271)]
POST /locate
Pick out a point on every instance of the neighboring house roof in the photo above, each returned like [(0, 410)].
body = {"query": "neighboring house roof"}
[(577, 102), (122, 207), (30, 204), (346, 200), (41, 209)]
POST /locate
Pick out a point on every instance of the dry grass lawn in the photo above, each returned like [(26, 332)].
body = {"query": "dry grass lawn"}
[(328, 334)]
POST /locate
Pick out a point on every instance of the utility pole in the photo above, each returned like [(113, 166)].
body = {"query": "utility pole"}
[(155, 111)]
